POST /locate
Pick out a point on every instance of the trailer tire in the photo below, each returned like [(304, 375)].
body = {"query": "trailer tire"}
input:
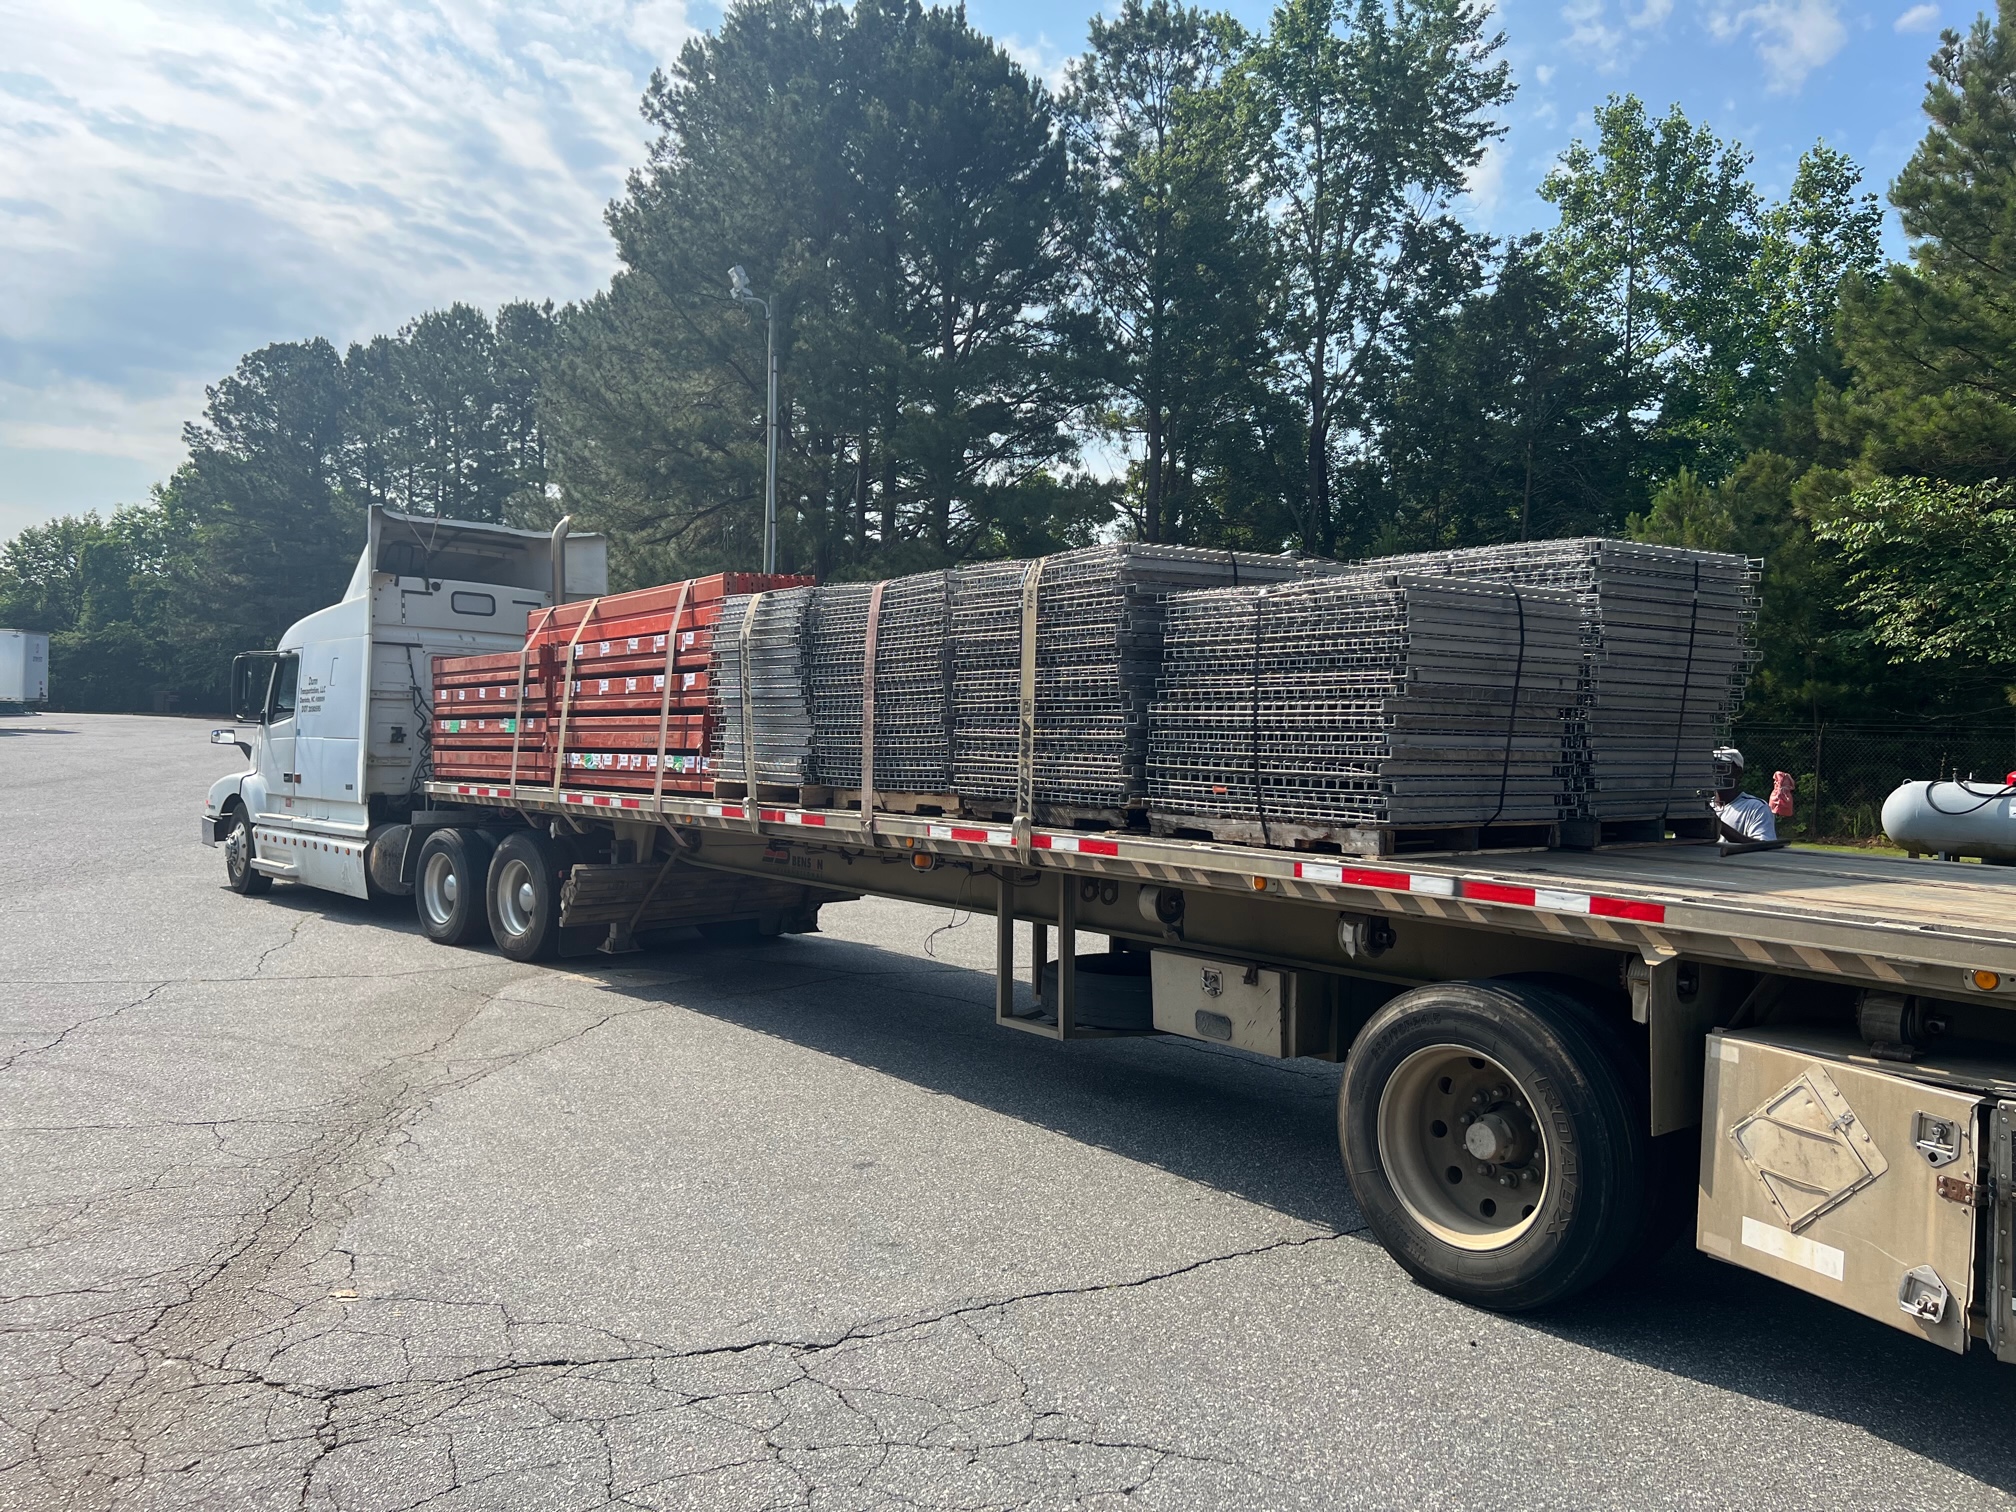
[(1495, 1141), (449, 882), (523, 895), (239, 873)]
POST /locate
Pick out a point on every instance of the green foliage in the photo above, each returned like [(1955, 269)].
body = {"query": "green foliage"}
[(1499, 424), (897, 187), (1173, 251), (1933, 344), (1372, 119), (1932, 567)]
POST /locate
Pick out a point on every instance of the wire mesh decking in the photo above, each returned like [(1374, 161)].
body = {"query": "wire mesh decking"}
[(1366, 699), (780, 713), (913, 683), (1098, 653), (1666, 651)]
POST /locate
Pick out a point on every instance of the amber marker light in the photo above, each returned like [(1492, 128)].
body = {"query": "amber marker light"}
[(1987, 981)]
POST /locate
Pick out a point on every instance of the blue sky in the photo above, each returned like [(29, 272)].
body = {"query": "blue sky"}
[(182, 182)]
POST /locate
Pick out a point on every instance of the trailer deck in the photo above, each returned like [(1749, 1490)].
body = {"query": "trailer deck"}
[(1938, 928)]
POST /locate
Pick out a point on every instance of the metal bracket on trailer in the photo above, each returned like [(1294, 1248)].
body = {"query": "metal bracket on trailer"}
[(1676, 1031), (1064, 1010)]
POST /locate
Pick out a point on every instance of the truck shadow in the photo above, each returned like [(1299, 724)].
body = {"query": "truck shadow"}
[(1264, 1131)]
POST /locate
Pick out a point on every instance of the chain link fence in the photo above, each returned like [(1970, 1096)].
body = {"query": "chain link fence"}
[(1844, 772)]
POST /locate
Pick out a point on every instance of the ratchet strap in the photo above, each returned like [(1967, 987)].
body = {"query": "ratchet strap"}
[(1259, 791), (567, 699), (868, 709), (518, 719), (1025, 767), (1511, 718), (745, 663), (665, 704), (1686, 678)]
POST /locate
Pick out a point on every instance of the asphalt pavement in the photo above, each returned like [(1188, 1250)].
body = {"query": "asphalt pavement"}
[(298, 1210)]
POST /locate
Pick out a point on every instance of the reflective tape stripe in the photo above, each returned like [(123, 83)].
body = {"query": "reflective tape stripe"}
[(1082, 845)]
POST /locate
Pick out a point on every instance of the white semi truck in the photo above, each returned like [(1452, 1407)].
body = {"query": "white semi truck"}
[(1555, 1061)]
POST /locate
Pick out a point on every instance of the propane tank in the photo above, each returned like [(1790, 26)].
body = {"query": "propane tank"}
[(1953, 819)]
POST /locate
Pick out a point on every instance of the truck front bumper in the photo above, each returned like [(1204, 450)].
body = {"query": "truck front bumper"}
[(209, 830)]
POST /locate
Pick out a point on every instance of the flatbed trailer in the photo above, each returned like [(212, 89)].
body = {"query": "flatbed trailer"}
[(1891, 981)]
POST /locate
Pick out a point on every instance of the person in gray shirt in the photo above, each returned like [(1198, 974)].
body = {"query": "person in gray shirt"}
[(1744, 817)]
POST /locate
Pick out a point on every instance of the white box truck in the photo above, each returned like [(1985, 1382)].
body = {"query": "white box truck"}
[(24, 667)]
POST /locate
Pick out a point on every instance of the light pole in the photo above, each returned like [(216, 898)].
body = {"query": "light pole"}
[(745, 293)]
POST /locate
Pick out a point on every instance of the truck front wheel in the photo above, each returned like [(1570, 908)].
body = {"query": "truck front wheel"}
[(239, 873), (524, 895), (448, 885), (1494, 1141)]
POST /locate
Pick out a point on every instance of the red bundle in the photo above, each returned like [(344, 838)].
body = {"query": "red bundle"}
[(594, 693)]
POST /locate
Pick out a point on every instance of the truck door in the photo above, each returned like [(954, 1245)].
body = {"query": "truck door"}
[(282, 775)]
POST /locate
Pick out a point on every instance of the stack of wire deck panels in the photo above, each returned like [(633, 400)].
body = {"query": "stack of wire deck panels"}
[(781, 705), (1666, 640), (1098, 652), (1362, 701), (913, 686)]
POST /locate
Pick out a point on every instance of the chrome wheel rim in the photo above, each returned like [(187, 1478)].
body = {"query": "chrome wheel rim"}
[(517, 897), (237, 849), (439, 887), (1462, 1147)]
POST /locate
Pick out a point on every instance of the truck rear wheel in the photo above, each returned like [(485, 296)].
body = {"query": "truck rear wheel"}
[(448, 885), (524, 895), (1493, 1138), (239, 873)]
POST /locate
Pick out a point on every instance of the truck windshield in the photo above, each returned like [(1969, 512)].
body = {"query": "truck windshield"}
[(285, 672)]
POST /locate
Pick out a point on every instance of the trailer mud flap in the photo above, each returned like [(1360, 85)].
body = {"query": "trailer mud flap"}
[(2001, 1297)]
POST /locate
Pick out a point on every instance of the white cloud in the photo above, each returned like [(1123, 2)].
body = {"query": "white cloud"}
[(1485, 188), (184, 180), (1592, 36), (1793, 37), (1649, 15), (1544, 73), (1920, 18)]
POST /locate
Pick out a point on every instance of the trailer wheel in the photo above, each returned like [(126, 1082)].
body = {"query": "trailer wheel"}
[(448, 885), (239, 873), (524, 895), (1493, 1138)]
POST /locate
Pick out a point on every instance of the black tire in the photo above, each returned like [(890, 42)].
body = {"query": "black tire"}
[(448, 885), (239, 873), (1558, 1184), (523, 895)]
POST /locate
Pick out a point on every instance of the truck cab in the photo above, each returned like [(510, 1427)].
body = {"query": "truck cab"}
[(336, 722)]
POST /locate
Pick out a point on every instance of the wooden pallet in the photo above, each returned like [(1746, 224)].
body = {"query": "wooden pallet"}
[(736, 791), (1058, 815), (928, 804), (1352, 840)]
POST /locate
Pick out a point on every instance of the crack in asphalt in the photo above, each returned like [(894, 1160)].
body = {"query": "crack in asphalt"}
[(8, 1062), (178, 1346)]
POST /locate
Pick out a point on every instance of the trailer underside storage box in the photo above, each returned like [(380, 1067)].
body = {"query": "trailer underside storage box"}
[(1823, 1168)]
